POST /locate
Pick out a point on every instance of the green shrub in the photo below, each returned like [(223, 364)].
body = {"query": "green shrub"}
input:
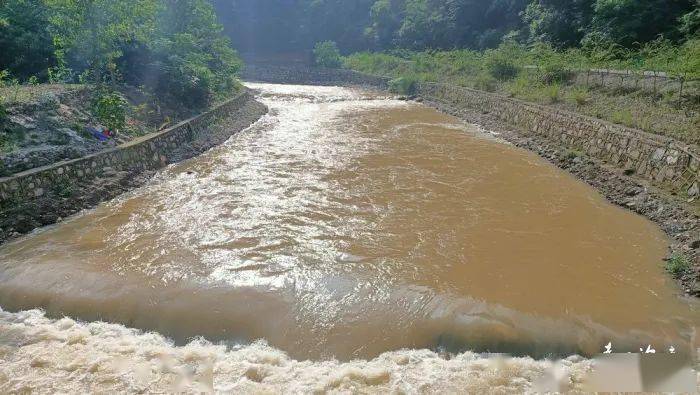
[(8, 142), (485, 82), (326, 54), (623, 117), (111, 108), (4, 173), (3, 114), (187, 82), (519, 87), (552, 93), (378, 63), (502, 63), (554, 73), (63, 189), (403, 85), (580, 96), (572, 154), (677, 265), (502, 68), (4, 77)]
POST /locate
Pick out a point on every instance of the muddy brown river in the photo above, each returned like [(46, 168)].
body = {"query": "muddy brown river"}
[(345, 224)]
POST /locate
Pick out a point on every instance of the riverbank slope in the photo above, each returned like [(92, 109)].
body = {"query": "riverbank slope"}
[(44, 195)]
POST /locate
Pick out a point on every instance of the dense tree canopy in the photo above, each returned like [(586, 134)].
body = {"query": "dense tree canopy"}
[(174, 48), (179, 44), (276, 25), (26, 45)]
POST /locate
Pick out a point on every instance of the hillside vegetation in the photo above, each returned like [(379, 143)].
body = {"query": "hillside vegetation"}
[(529, 49), (69, 68), (380, 25), (172, 48), (541, 74)]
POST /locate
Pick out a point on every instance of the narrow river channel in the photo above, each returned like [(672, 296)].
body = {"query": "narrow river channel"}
[(344, 225)]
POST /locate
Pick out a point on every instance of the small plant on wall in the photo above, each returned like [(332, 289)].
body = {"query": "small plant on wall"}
[(111, 109), (678, 265)]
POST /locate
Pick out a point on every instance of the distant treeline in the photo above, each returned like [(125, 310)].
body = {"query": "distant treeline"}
[(174, 49), (283, 25)]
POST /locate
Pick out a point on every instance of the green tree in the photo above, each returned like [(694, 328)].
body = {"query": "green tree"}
[(386, 18), (90, 35), (27, 46), (505, 62), (558, 22), (195, 61), (690, 23), (628, 22), (323, 18), (326, 54)]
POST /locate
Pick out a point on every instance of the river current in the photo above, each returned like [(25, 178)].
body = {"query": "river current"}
[(343, 226)]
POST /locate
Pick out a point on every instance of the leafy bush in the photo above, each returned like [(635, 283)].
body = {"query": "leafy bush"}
[(111, 108), (690, 24), (572, 154), (555, 73), (552, 65), (176, 49), (10, 139), (677, 265), (519, 87), (3, 114), (580, 96), (404, 85), (63, 188), (502, 63), (502, 68), (552, 93), (623, 117), (485, 82), (326, 54), (378, 63)]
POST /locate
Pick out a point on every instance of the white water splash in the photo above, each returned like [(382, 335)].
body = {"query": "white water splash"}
[(42, 355)]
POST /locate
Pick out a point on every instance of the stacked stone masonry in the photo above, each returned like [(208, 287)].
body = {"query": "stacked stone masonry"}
[(147, 153)]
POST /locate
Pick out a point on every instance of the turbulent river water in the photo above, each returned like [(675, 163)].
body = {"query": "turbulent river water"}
[(342, 226)]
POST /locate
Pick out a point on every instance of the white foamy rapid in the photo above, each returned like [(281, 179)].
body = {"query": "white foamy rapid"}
[(43, 355)]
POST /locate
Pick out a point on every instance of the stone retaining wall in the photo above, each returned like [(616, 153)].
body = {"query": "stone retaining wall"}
[(661, 160), (146, 153)]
